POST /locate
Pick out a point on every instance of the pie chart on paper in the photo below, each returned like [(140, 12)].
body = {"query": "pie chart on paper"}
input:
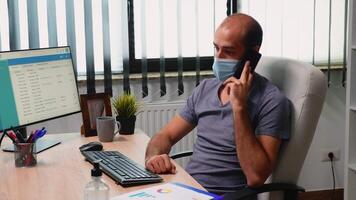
[(164, 190)]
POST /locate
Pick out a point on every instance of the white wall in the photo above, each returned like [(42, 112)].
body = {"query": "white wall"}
[(315, 175), (330, 133)]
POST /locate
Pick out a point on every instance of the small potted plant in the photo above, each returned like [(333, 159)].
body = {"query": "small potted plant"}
[(126, 108)]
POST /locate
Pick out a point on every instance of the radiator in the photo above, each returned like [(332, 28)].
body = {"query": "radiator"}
[(155, 115)]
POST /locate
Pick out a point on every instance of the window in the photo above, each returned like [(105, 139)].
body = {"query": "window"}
[(161, 30), (172, 29), (113, 20), (300, 29)]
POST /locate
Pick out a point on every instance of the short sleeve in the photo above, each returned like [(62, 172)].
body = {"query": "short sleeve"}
[(188, 112), (274, 117)]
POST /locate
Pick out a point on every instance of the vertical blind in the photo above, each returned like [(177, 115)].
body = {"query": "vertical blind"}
[(97, 43), (106, 36), (309, 30), (172, 34)]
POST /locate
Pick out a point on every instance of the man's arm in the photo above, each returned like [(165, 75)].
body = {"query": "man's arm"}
[(257, 155), (157, 159)]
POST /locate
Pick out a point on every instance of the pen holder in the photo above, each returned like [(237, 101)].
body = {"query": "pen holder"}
[(25, 154)]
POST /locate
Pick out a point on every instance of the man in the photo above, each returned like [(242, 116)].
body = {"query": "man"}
[(240, 122)]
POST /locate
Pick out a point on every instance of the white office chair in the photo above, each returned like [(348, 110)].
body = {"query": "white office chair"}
[(305, 86)]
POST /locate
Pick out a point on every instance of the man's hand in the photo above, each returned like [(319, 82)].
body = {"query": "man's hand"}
[(160, 164), (156, 158), (238, 89)]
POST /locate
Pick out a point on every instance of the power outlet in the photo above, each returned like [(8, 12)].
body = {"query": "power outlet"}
[(325, 152)]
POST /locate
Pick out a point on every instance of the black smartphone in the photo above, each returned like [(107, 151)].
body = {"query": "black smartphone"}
[(250, 55)]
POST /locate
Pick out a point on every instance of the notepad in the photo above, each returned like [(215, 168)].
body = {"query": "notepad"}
[(169, 191)]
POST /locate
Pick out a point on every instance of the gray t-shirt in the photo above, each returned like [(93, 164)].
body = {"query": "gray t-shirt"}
[(214, 163)]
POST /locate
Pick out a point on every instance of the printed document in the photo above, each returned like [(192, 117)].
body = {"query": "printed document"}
[(168, 191)]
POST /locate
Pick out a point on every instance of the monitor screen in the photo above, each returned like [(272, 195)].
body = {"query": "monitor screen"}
[(36, 85)]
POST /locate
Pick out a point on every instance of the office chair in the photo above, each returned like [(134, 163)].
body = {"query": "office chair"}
[(305, 86)]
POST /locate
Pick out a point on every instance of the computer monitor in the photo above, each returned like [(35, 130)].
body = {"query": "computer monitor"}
[(36, 85)]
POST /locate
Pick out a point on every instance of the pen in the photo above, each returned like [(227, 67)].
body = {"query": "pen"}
[(42, 133), (30, 138), (12, 136), (35, 135), (39, 134), (19, 137)]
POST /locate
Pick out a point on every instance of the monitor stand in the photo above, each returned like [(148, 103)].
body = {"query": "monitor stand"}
[(22, 130)]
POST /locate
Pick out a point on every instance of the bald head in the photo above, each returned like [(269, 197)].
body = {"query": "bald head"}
[(245, 28)]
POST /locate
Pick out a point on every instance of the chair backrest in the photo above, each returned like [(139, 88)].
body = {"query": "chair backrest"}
[(305, 86)]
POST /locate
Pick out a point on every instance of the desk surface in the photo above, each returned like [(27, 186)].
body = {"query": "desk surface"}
[(62, 173)]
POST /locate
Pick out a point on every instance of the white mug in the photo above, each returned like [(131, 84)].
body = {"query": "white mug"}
[(105, 127)]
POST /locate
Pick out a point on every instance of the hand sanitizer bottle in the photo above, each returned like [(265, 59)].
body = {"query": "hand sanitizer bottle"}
[(96, 189)]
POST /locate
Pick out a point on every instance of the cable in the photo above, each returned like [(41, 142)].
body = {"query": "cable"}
[(4, 132), (331, 156), (2, 137)]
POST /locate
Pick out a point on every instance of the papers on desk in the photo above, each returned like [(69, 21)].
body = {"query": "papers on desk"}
[(168, 191)]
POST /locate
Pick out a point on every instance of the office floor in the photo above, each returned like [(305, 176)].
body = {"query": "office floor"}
[(322, 195)]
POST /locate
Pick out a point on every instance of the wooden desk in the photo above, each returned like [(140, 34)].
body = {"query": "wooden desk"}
[(62, 173)]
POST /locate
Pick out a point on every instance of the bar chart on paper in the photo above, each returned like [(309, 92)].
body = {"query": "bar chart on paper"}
[(142, 195)]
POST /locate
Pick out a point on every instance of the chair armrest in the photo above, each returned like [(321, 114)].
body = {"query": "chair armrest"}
[(181, 154), (290, 191)]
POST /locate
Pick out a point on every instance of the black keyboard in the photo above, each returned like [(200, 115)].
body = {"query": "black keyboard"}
[(121, 168)]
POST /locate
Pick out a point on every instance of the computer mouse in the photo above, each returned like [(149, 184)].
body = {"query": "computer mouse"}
[(91, 146)]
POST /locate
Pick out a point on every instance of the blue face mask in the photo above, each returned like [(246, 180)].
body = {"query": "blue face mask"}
[(224, 68)]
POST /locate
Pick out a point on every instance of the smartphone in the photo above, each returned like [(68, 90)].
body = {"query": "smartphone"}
[(251, 55)]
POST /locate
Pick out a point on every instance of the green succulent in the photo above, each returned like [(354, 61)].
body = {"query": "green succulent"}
[(126, 105)]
